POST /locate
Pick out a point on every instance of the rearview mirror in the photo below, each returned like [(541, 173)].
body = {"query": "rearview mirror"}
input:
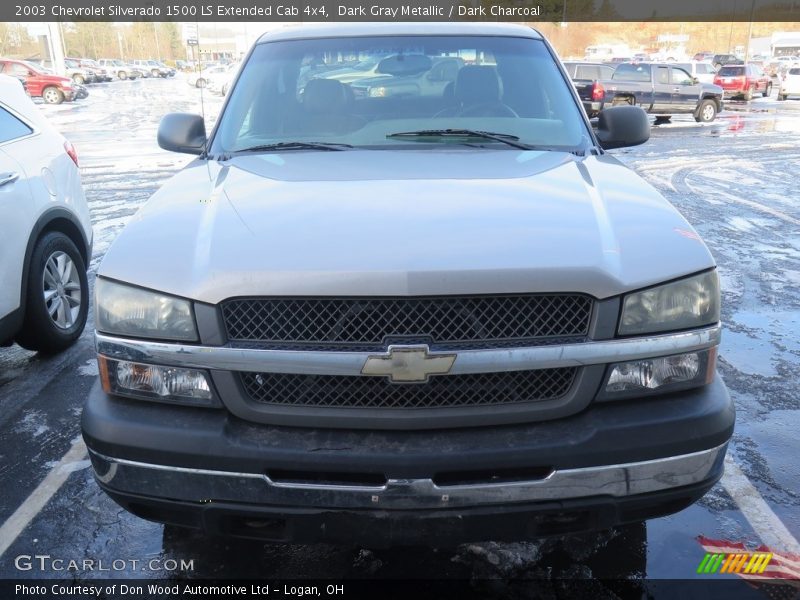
[(182, 132), (622, 126)]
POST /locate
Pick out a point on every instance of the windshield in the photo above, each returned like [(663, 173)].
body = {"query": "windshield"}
[(501, 85), (731, 71)]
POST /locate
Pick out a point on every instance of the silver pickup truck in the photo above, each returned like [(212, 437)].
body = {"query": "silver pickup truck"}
[(405, 319)]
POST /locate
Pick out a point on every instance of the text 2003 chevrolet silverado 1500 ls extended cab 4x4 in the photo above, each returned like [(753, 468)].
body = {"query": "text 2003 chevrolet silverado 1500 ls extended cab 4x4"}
[(406, 319)]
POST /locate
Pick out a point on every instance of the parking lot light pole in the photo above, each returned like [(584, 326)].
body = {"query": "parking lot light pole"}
[(155, 33), (749, 32)]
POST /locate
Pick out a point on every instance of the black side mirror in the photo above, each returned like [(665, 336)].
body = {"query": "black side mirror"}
[(182, 132), (621, 126)]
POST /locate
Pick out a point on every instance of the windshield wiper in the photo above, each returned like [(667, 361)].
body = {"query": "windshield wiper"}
[(291, 146), (504, 138)]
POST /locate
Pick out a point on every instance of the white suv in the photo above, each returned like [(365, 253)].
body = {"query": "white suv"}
[(45, 230)]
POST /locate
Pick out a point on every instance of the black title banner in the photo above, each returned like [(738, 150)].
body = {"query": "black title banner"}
[(372, 589), (404, 10)]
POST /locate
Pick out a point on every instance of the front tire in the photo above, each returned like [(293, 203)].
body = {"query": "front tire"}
[(706, 112), (57, 296), (78, 79), (748, 95), (782, 97), (201, 83), (52, 95), (122, 75)]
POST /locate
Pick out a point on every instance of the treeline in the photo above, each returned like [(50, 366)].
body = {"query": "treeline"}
[(573, 39), (100, 40)]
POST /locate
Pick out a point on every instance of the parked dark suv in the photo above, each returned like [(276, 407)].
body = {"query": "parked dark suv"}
[(720, 60)]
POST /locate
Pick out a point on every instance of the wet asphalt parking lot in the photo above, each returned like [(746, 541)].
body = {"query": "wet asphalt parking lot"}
[(736, 180)]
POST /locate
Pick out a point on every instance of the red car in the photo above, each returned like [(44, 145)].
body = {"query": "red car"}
[(53, 89), (743, 80)]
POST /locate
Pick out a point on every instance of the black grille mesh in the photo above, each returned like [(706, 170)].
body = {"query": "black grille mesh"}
[(482, 389), (447, 319)]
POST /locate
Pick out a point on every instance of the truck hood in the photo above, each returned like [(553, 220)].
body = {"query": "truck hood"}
[(407, 222)]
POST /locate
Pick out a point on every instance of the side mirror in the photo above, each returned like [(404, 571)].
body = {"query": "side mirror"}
[(621, 126), (182, 132)]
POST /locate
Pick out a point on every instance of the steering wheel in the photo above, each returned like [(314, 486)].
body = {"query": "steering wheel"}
[(489, 109)]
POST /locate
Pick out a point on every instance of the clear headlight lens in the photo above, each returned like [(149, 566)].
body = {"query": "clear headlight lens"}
[(130, 311), (690, 302), (156, 382), (660, 375), (377, 92)]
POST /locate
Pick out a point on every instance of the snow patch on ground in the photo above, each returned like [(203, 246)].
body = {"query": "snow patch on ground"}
[(89, 369), (32, 423)]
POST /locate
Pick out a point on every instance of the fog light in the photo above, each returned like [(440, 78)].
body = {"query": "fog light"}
[(156, 382), (659, 375)]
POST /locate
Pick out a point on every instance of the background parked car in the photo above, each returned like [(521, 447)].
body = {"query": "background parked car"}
[(80, 91), (704, 56), (211, 76), (703, 71), (101, 75), (584, 75), (53, 89), (720, 60), (153, 68), (119, 69), (744, 81), (221, 82), (790, 84), (45, 229), (73, 70), (661, 89)]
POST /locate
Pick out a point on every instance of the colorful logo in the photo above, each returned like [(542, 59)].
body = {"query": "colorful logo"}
[(762, 564), (735, 562)]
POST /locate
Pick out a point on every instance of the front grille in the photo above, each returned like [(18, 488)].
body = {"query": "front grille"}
[(432, 320), (481, 389)]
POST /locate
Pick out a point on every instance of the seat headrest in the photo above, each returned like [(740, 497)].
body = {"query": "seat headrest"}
[(477, 84), (325, 96)]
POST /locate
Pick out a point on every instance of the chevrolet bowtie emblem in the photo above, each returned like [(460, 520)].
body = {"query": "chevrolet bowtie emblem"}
[(408, 363)]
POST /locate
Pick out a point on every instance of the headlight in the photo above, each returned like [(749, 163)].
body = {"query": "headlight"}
[(155, 382), (130, 311), (659, 375), (377, 92), (690, 302)]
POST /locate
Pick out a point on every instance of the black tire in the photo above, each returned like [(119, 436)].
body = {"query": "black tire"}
[(200, 83), (748, 95), (663, 120), (706, 111), (52, 95), (122, 75), (155, 72), (782, 97), (78, 79), (40, 331), (767, 91)]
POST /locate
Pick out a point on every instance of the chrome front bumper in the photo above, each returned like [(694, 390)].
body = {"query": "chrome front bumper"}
[(352, 363), (207, 486)]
